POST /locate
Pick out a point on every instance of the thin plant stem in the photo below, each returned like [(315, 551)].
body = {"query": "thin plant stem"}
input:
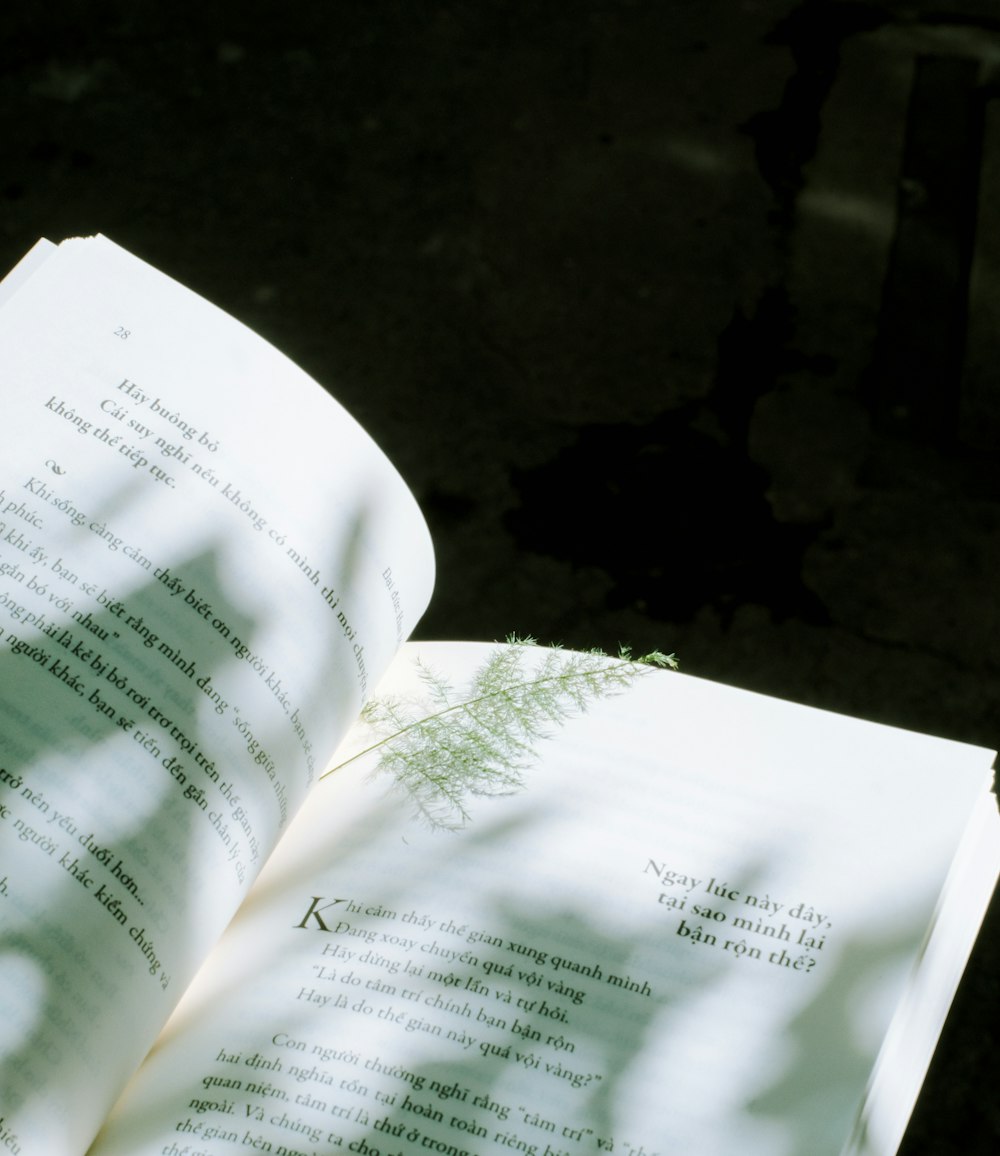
[(482, 741)]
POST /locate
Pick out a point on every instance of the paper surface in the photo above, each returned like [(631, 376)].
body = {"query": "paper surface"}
[(204, 563), (688, 934)]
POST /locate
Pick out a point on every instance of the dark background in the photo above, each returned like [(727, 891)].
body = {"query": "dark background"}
[(681, 317)]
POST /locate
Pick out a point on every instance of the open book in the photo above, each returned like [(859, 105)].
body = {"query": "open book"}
[(712, 923)]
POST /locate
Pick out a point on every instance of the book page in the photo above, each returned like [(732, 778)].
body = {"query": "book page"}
[(687, 934), (204, 566), (29, 264), (908, 1048)]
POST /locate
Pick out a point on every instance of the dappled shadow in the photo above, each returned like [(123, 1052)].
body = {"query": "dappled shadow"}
[(108, 773), (418, 1004), (146, 772)]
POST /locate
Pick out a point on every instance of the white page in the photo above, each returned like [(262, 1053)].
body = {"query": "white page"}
[(30, 263), (908, 1048), (205, 563), (687, 935)]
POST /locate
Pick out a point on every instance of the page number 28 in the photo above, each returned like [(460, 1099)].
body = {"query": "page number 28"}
[(123, 333)]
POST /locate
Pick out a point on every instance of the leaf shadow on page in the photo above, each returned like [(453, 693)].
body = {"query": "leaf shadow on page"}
[(504, 1056), (490, 1001), (836, 1036), (122, 762), (103, 813)]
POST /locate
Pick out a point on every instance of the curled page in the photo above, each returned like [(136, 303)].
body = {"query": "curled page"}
[(205, 564)]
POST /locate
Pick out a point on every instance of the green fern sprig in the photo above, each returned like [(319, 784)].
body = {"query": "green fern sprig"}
[(450, 746)]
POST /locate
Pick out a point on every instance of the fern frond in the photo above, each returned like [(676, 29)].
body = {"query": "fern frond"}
[(448, 747)]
